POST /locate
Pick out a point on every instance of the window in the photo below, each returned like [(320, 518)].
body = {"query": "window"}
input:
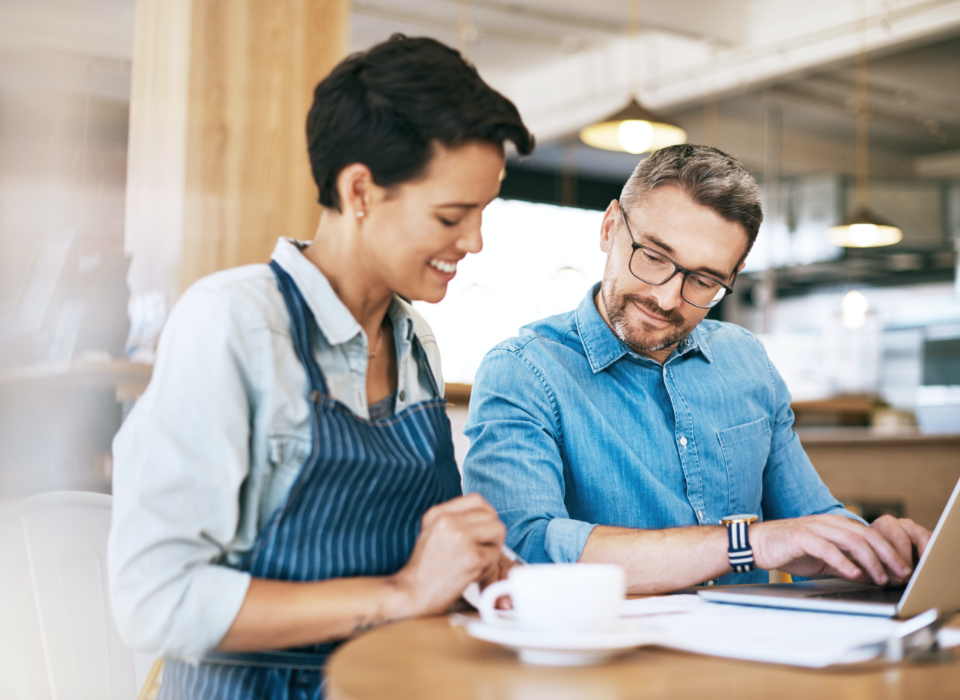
[(537, 260)]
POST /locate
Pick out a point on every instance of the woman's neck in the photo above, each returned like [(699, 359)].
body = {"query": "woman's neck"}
[(339, 255)]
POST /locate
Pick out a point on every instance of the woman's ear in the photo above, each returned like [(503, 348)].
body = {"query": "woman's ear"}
[(355, 186)]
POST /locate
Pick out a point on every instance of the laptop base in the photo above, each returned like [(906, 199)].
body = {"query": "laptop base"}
[(825, 595)]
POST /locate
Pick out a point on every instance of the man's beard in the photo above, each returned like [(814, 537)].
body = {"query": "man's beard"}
[(616, 304)]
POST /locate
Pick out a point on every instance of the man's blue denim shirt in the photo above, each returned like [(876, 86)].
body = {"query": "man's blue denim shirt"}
[(570, 429)]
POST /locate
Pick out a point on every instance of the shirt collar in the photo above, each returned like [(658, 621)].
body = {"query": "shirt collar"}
[(695, 341), (601, 344), (333, 318), (603, 347)]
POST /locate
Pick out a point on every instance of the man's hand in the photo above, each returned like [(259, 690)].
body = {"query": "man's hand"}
[(459, 543), (905, 536), (833, 545)]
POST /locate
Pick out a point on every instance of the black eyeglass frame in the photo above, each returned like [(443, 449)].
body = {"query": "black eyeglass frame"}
[(677, 268)]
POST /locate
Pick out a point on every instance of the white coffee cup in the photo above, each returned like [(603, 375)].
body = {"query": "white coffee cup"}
[(558, 598)]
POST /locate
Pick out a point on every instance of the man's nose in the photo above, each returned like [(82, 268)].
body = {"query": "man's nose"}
[(667, 294)]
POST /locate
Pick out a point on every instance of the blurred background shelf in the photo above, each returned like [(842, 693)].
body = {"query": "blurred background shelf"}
[(904, 473), (128, 379)]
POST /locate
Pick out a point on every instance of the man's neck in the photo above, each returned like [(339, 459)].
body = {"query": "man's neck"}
[(657, 355)]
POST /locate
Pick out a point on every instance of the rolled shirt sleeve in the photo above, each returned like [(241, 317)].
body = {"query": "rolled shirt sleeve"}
[(515, 462), (181, 459), (791, 486)]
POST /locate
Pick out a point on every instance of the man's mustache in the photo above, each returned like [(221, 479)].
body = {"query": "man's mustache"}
[(650, 305)]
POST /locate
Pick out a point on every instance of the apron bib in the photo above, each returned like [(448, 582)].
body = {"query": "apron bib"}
[(354, 510)]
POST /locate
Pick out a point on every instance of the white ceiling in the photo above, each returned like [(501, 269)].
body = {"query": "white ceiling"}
[(567, 63)]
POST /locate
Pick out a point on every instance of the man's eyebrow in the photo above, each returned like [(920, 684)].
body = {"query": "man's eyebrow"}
[(670, 251)]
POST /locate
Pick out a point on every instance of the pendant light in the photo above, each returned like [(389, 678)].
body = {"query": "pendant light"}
[(864, 228), (633, 129)]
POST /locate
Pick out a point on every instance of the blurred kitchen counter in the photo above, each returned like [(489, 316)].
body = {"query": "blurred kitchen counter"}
[(874, 471)]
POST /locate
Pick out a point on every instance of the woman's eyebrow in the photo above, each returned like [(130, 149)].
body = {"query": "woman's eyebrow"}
[(458, 205)]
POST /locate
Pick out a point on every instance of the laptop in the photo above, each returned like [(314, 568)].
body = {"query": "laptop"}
[(935, 583)]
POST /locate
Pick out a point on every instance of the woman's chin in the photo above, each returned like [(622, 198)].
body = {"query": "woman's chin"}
[(430, 293), (434, 296)]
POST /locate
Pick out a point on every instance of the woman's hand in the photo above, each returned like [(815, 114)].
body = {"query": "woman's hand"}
[(459, 543)]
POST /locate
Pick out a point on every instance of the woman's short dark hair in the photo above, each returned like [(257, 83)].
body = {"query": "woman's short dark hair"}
[(388, 106), (710, 177)]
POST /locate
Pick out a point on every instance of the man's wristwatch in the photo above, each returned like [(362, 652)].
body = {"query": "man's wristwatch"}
[(738, 548)]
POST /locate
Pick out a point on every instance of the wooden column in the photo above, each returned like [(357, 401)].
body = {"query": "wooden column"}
[(218, 166)]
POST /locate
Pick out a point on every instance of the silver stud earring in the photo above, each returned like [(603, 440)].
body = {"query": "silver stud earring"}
[(359, 214)]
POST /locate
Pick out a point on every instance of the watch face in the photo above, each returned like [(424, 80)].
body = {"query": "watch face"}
[(743, 518)]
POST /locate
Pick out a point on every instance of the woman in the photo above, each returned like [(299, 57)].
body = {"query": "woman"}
[(288, 480)]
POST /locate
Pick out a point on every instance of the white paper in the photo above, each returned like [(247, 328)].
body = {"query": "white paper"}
[(793, 637), (660, 605)]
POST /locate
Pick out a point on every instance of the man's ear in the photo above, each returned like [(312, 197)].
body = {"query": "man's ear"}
[(611, 218)]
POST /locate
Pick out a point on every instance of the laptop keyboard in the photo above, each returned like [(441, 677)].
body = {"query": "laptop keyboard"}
[(867, 595)]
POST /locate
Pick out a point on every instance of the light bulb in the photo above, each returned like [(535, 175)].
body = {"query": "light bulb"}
[(855, 307), (864, 235), (635, 136), (855, 303)]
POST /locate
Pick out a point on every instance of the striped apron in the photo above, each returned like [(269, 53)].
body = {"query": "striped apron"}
[(354, 510)]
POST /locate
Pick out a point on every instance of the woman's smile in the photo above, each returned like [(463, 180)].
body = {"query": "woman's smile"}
[(446, 268)]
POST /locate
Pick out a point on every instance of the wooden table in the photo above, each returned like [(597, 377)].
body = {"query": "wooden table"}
[(429, 658)]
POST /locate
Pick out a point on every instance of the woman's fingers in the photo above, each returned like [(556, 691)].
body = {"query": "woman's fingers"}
[(461, 504)]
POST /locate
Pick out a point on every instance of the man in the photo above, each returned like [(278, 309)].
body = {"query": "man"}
[(623, 431)]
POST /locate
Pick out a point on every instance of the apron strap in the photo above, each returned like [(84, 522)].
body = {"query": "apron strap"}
[(302, 326), (425, 363)]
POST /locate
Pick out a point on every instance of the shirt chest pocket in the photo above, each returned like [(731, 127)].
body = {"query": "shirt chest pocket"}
[(745, 449), (286, 455)]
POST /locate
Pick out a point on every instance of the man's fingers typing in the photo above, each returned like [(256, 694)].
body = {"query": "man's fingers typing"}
[(830, 554), (919, 535)]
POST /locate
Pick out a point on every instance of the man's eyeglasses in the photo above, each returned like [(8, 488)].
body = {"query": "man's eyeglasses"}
[(649, 266)]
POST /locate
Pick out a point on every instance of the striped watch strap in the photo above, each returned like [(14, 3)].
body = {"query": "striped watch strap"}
[(738, 548)]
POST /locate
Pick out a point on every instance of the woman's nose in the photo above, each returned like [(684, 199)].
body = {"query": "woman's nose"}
[(472, 239)]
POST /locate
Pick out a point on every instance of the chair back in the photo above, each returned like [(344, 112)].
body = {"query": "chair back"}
[(65, 541), (23, 669)]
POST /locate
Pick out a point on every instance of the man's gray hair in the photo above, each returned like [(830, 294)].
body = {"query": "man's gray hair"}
[(710, 177)]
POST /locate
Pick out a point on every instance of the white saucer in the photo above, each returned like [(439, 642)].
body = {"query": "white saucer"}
[(552, 649)]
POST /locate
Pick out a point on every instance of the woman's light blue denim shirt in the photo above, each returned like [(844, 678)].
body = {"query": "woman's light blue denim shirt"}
[(570, 429)]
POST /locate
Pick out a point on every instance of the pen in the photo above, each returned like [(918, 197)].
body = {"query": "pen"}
[(511, 555)]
